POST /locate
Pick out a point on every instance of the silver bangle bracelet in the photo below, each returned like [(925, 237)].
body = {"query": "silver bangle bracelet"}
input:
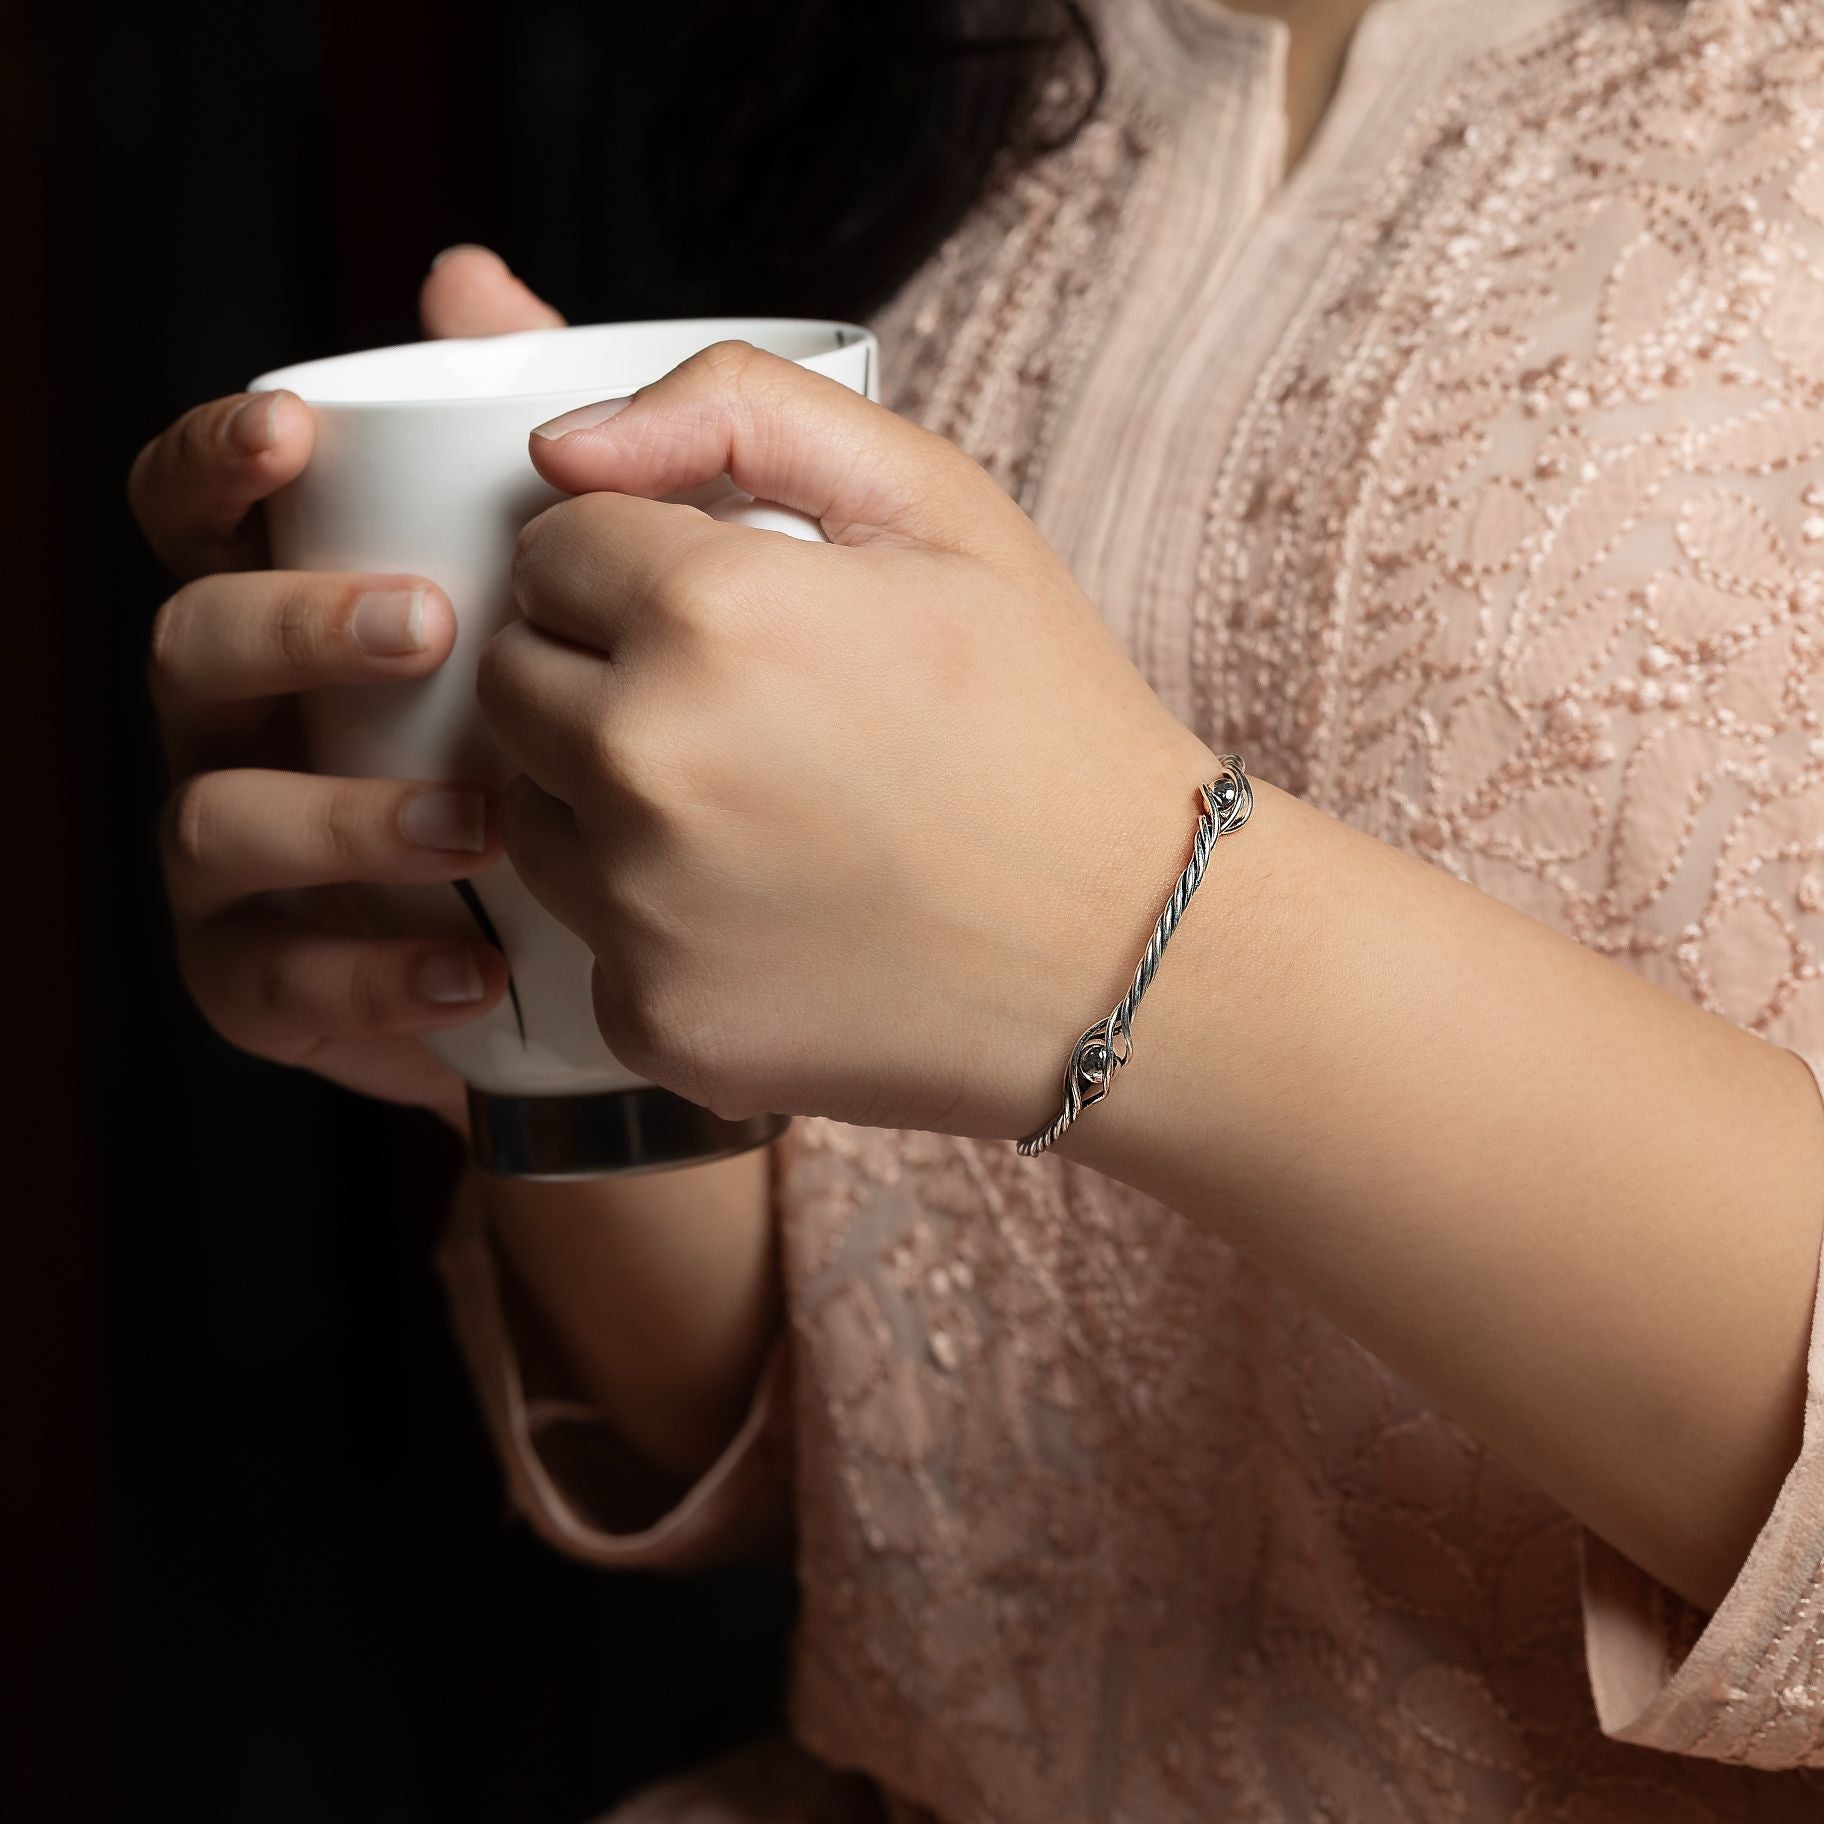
[(1108, 1044)]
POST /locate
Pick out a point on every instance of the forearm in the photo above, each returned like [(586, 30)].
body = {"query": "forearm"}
[(660, 1293), (1579, 1212)]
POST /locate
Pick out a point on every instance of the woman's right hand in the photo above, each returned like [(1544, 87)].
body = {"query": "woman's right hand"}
[(258, 854)]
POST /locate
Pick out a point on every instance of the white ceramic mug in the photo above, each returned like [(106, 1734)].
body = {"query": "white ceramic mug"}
[(420, 465)]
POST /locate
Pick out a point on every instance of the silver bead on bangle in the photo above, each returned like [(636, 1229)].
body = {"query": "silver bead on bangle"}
[(1108, 1044)]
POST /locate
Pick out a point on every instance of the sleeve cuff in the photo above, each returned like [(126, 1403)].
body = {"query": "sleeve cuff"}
[(1746, 1684), (581, 1489)]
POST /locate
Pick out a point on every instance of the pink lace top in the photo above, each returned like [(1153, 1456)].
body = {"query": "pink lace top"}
[(1471, 482)]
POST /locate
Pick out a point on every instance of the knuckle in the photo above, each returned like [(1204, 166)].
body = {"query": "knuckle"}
[(250, 998), (618, 1019), (186, 826), (194, 441), (584, 518), (273, 1017), (533, 545), (608, 994), (700, 593), (654, 764), (495, 670), (273, 987), (726, 363), (525, 555), (295, 630), (170, 629), (345, 823), (370, 994), (670, 595), (605, 749), (656, 1024)]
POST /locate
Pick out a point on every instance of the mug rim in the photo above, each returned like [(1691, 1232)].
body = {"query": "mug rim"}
[(293, 377)]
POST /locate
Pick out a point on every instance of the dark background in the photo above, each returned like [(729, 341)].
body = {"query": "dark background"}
[(260, 1563)]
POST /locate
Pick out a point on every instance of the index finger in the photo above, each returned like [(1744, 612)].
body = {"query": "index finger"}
[(604, 568), (193, 488)]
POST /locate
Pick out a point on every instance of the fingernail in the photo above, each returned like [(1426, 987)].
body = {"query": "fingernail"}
[(450, 977), (584, 418), (446, 820), (255, 427), (389, 622), (462, 247)]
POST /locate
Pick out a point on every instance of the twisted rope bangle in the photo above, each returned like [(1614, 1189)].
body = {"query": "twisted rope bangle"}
[(1108, 1044)]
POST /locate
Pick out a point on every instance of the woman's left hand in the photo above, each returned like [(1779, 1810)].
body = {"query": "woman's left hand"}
[(870, 829)]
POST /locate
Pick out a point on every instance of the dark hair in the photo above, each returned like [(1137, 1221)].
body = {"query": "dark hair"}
[(821, 151)]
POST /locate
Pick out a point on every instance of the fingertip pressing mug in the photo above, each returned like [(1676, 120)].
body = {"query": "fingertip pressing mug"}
[(420, 465)]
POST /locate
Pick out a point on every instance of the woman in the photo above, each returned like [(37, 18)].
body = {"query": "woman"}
[(1399, 1397)]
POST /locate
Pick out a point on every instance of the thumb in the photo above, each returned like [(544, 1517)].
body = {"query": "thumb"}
[(780, 433), (471, 291)]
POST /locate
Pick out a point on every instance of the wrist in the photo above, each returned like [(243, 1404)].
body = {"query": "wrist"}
[(659, 1294), (1166, 866)]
